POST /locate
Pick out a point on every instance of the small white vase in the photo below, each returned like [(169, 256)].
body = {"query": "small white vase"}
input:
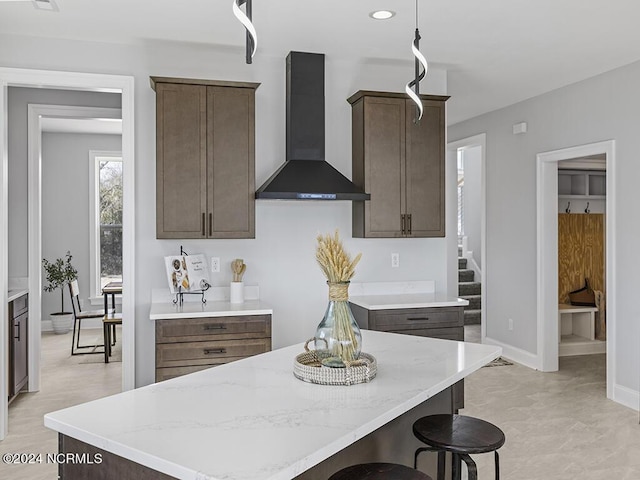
[(236, 292)]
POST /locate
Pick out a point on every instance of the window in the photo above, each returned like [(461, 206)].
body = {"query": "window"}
[(105, 207)]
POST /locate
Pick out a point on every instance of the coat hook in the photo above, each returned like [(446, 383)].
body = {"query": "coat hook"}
[(586, 210), (568, 209)]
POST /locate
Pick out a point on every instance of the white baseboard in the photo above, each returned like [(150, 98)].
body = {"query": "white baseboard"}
[(88, 323), (627, 397), (517, 355)]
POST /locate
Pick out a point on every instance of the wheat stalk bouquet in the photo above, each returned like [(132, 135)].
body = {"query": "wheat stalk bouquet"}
[(339, 268)]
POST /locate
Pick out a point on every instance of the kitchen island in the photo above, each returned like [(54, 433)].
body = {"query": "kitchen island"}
[(252, 419)]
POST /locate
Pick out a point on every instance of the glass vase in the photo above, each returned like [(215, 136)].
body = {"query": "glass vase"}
[(338, 339)]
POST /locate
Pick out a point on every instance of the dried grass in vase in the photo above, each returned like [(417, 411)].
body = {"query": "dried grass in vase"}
[(338, 334)]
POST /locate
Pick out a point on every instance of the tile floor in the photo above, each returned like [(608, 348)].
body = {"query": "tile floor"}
[(559, 426)]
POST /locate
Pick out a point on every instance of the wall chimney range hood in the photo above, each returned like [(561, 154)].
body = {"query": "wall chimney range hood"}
[(306, 175)]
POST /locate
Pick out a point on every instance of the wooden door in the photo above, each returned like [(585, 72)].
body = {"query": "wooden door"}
[(384, 157), (425, 161), (181, 143), (231, 162)]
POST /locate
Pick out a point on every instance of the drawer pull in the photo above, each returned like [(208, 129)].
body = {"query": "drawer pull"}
[(211, 351), (215, 326), (418, 319), (18, 327)]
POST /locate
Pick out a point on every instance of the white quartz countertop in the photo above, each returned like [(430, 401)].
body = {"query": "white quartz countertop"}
[(407, 300), (253, 420), (167, 310), (16, 293)]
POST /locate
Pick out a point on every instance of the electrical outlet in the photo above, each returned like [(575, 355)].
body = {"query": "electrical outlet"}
[(511, 324), (215, 264), (395, 260)]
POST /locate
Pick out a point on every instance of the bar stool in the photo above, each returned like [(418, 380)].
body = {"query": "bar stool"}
[(461, 435), (379, 471)]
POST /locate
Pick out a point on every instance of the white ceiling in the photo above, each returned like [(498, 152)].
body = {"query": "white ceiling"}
[(496, 52)]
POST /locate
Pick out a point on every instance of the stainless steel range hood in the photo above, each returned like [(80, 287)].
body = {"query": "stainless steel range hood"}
[(306, 175)]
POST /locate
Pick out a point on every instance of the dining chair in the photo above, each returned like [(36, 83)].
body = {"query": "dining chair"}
[(78, 316)]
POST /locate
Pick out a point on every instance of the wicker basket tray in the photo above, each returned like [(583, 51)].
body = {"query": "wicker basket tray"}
[(307, 367)]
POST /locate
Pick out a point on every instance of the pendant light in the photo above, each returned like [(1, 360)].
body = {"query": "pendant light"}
[(245, 19), (419, 61)]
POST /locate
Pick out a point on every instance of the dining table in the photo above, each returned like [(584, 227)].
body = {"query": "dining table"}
[(113, 289)]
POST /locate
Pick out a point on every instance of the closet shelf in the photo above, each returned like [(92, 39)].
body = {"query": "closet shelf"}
[(583, 197)]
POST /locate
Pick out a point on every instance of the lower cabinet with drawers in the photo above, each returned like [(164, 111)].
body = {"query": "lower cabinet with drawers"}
[(18, 371), (436, 322), (191, 344)]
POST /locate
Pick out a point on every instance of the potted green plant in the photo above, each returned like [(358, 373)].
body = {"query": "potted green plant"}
[(59, 274)]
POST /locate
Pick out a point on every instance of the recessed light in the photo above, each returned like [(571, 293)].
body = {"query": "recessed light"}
[(382, 14)]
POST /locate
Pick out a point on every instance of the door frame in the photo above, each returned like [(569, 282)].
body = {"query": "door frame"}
[(72, 81), (479, 140), (547, 253)]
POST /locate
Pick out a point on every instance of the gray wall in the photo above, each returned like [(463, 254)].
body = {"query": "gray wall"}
[(18, 101), (601, 108), (472, 158), (65, 204), (281, 257)]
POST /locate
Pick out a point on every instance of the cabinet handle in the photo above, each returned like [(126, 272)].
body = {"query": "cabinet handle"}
[(210, 224), (402, 223), (203, 222), (209, 351), (418, 319), (18, 326), (409, 228), (215, 326)]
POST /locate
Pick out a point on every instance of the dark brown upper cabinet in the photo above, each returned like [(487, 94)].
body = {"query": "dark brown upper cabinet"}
[(401, 163), (205, 158)]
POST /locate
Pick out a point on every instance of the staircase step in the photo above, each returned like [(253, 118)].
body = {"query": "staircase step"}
[(475, 302), (472, 317), (465, 275), (469, 288), (462, 262)]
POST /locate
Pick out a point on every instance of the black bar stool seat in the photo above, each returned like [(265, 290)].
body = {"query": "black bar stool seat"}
[(461, 435), (379, 471)]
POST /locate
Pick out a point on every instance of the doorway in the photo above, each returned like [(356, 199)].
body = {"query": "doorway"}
[(471, 218), (547, 232), (70, 130), (87, 82), (581, 255)]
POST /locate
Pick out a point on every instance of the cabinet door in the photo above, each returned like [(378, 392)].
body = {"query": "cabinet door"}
[(231, 162), (424, 180), (384, 153), (20, 352), (181, 179)]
